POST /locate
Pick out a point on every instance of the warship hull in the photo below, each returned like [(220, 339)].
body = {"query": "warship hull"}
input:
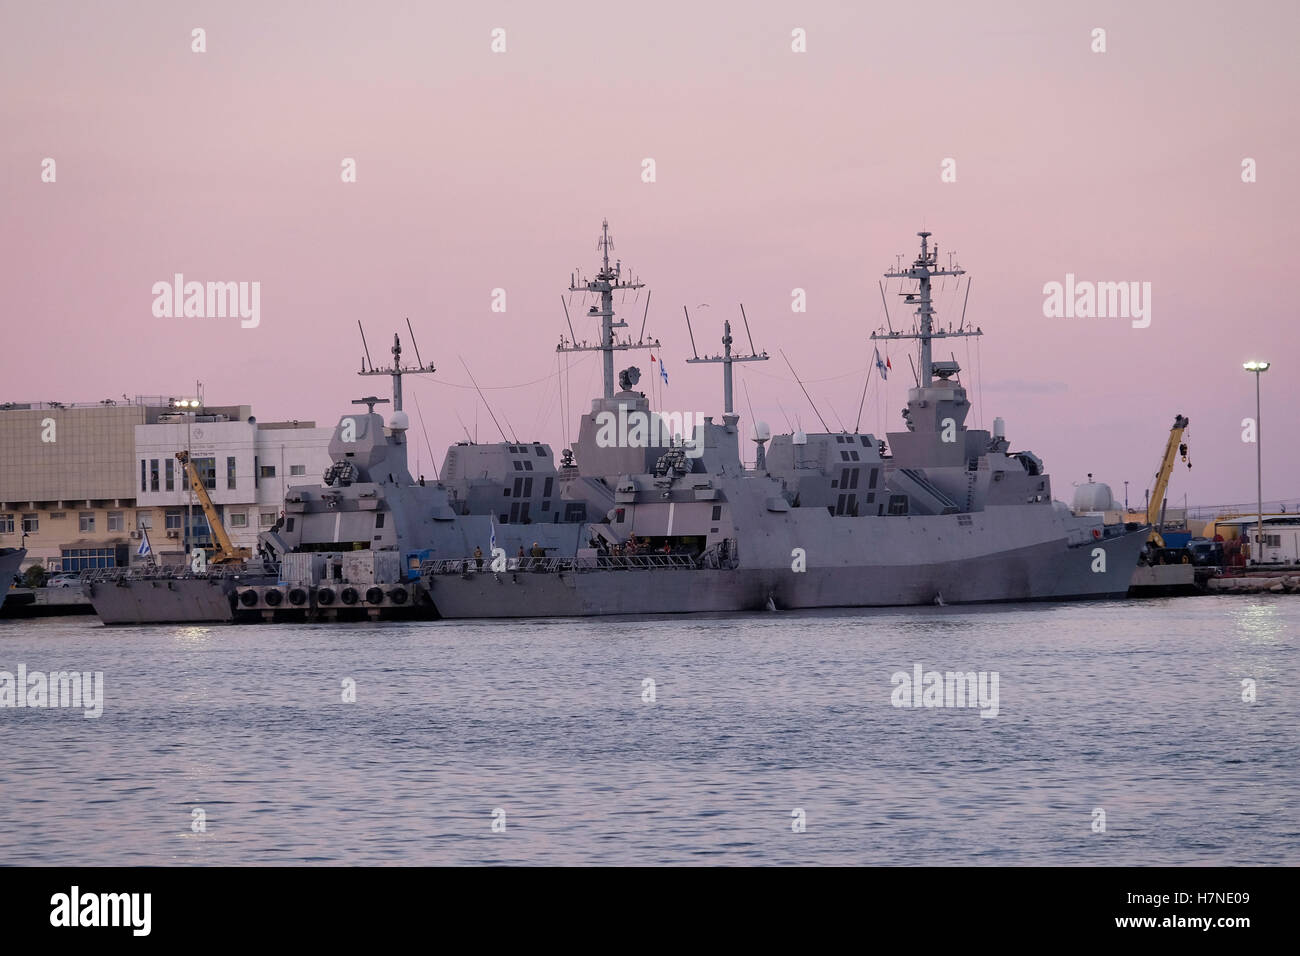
[(1050, 571), (11, 560), (194, 600)]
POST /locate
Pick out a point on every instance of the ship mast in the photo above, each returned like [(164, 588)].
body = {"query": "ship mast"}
[(396, 371), (923, 270), (607, 281), (727, 358)]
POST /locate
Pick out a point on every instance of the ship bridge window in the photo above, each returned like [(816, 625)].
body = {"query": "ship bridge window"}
[(541, 452), (872, 481), (898, 504), (519, 465), (717, 512), (528, 466), (379, 519), (547, 492)]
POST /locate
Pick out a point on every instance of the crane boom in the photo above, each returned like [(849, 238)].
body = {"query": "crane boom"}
[(1155, 507), (227, 553)]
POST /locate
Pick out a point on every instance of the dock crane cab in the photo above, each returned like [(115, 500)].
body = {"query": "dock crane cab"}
[(225, 551), (1156, 552)]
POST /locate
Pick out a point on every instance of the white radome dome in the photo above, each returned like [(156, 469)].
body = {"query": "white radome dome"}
[(762, 431), (1093, 496), (399, 421)]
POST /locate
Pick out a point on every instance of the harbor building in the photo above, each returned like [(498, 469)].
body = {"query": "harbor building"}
[(81, 485)]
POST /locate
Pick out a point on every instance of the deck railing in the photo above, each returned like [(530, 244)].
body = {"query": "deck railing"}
[(171, 573), (627, 562)]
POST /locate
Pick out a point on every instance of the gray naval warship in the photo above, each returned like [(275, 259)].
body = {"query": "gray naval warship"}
[(352, 547), (645, 516), (938, 513)]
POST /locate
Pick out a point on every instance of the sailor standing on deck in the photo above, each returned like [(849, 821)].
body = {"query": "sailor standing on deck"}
[(478, 558)]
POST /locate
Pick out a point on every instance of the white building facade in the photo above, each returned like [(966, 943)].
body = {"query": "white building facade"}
[(245, 466)]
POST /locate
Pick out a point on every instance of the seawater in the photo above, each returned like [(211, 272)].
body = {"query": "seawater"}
[(547, 730)]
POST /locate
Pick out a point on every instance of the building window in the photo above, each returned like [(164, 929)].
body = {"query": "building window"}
[(173, 521), (169, 476), (268, 471), (297, 469), (144, 476), (239, 519), (230, 473), (83, 559), (153, 474), (86, 522), (265, 519), (256, 472), (207, 469), (144, 519), (31, 524), (6, 524), (116, 521), (58, 515)]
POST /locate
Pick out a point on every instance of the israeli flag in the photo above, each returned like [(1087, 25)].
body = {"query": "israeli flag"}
[(492, 541), (880, 365), (144, 550), (663, 372)]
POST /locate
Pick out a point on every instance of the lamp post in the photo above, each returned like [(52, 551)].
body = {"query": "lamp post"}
[(1126, 501), (1257, 550)]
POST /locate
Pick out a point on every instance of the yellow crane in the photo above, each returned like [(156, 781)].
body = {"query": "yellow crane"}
[(1175, 447), (226, 552)]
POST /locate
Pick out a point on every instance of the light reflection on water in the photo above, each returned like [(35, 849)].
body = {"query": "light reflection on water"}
[(1131, 707)]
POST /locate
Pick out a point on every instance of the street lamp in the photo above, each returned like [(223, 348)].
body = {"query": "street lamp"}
[(1257, 552)]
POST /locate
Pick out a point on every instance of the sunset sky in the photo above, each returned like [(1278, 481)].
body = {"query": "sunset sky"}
[(775, 170)]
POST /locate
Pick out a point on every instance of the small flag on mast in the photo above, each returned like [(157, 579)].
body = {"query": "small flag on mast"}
[(144, 550), (882, 366)]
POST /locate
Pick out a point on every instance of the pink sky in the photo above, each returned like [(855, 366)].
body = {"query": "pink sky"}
[(775, 170)]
